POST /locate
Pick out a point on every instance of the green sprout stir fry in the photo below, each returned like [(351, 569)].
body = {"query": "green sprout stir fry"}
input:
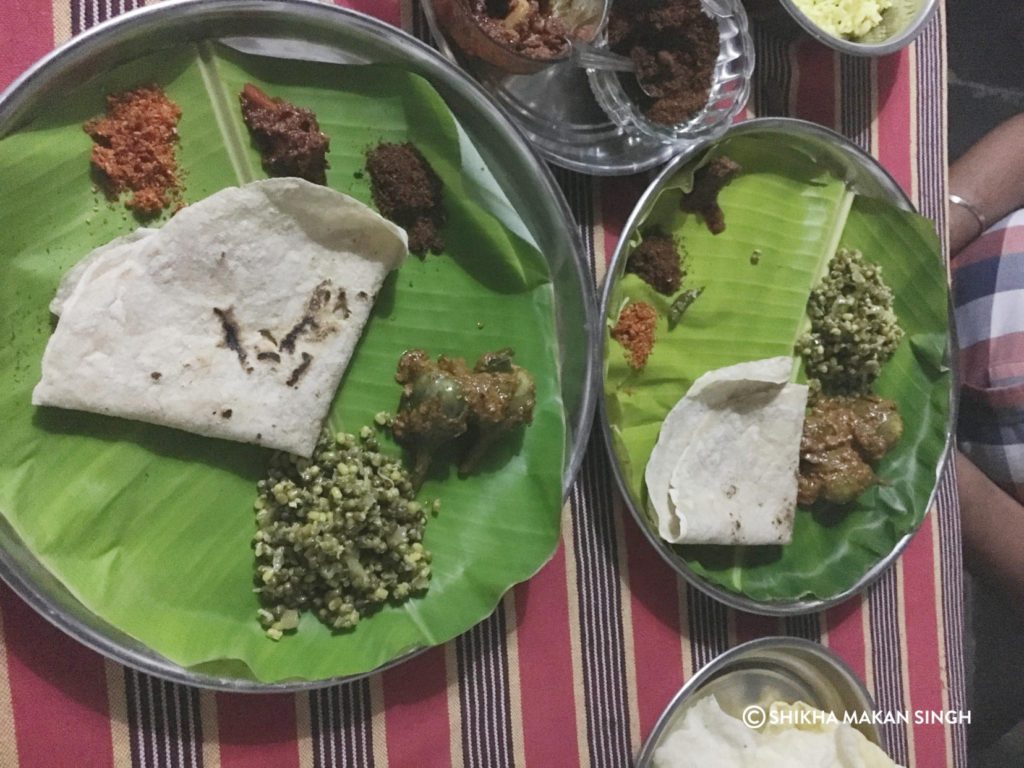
[(338, 534), (854, 330)]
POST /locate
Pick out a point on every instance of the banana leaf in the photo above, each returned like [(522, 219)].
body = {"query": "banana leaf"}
[(785, 216), (150, 527)]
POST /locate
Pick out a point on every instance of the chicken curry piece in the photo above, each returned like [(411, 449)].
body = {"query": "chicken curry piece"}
[(842, 438), (444, 400)]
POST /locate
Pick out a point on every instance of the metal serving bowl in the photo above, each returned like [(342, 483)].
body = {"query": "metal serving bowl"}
[(584, 19), (771, 669), (300, 29), (863, 174), (917, 15)]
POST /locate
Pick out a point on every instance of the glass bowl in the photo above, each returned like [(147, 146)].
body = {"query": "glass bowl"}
[(584, 19), (616, 92)]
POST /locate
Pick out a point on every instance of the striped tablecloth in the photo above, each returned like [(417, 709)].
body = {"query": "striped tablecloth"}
[(575, 665)]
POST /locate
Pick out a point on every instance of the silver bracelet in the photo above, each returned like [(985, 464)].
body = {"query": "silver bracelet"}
[(972, 209)]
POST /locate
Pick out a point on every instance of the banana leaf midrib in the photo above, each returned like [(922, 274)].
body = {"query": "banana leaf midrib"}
[(828, 254), (225, 109)]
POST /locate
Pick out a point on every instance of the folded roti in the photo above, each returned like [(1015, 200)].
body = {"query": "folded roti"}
[(724, 469), (236, 319)]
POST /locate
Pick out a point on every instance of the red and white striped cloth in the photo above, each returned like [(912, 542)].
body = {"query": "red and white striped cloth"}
[(575, 665)]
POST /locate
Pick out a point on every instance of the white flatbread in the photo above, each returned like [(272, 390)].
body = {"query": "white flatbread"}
[(236, 319), (724, 469)]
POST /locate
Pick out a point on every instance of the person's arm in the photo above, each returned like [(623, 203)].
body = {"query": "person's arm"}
[(990, 176), (992, 524)]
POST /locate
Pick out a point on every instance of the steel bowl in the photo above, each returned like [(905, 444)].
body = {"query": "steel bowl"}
[(310, 30), (771, 669), (456, 19), (915, 14), (865, 175)]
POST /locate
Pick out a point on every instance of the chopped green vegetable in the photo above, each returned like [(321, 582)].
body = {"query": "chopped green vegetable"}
[(680, 304), (338, 534), (854, 330)]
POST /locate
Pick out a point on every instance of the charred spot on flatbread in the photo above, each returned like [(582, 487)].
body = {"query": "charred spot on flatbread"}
[(315, 321), (341, 305), (229, 327), (300, 369)]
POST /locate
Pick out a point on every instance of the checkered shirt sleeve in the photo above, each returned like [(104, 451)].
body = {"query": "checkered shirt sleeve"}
[(988, 307)]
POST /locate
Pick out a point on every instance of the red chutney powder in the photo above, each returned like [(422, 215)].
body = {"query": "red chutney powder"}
[(635, 332), (134, 147)]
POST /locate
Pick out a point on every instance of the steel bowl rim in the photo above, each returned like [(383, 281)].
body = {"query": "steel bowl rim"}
[(750, 648), (191, 14), (733, 599)]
